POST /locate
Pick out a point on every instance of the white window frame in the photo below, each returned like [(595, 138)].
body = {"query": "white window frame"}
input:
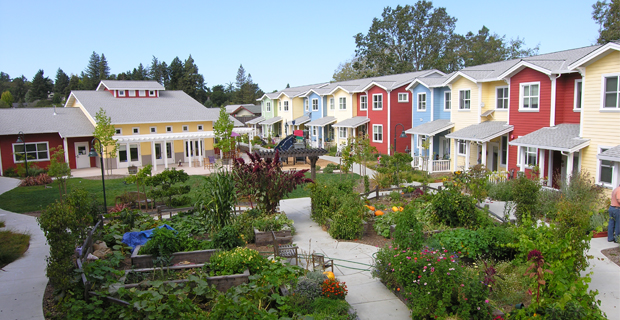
[(447, 102), (403, 97), (152, 93), (132, 93), (377, 101), (464, 103), (332, 105), (528, 150), (168, 128), (315, 104), (268, 106), (463, 144), (503, 158), (185, 128), (153, 129), (422, 101), (200, 127), (280, 105), (342, 133), (377, 133), (121, 93), (599, 166), (522, 86), (578, 96), (135, 130), (118, 131), (364, 102), (605, 92), (285, 105), (342, 103), (505, 99), (306, 104), (142, 93), (314, 131), (36, 144)]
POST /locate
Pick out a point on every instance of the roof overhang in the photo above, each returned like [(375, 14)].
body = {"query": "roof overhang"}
[(165, 136), (338, 88), (322, 122), (372, 84), (415, 83), (430, 132), (271, 121), (455, 76), (255, 120), (522, 65), (354, 125), (455, 135), (569, 150), (595, 55), (301, 120)]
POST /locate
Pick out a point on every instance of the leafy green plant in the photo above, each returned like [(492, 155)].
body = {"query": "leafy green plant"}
[(453, 208), (274, 222), (59, 169), (525, 195), (308, 288), (166, 185), (236, 261), (163, 243), (383, 223), (217, 199), (501, 191), (408, 231), (227, 238), (492, 242), (347, 218)]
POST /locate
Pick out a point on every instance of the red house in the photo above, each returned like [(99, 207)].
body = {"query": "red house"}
[(44, 129)]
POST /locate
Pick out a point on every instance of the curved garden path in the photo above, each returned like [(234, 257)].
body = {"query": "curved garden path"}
[(23, 282)]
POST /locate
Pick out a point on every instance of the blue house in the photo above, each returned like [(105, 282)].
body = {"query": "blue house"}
[(315, 104), (431, 104)]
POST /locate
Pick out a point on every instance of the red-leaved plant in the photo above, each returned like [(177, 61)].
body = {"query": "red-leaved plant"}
[(538, 262), (264, 182)]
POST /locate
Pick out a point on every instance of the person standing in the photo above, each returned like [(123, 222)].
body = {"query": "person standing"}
[(613, 228)]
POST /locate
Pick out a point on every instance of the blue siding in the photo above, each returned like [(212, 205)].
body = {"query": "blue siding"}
[(440, 112), (420, 117)]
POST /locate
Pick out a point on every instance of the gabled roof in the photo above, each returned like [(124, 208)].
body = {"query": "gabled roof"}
[(255, 120), (271, 121), (612, 154), (301, 90), (393, 81), (232, 108), (321, 122), (129, 85), (170, 106), (430, 81), (563, 137), (67, 122), (595, 55), (431, 128), (301, 120), (352, 122), (482, 132), (271, 95)]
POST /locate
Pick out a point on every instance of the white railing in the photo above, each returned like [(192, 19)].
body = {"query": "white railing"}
[(441, 165), (417, 162), (498, 176)]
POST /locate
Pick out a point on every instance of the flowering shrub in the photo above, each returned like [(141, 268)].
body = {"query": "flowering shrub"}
[(334, 289), (433, 283), (453, 208), (235, 261), (274, 222), (487, 243)]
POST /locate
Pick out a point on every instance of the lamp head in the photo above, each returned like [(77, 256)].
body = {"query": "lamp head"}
[(403, 135), (19, 139), (92, 152)]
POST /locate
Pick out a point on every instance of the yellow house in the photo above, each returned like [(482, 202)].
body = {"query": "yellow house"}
[(153, 126), (600, 114)]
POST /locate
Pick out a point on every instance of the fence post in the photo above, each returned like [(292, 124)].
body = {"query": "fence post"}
[(377, 192), (159, 213)]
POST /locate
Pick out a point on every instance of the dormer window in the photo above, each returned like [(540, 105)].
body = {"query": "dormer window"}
[(121, 93), (151, 93), (132, 93), (142, 93)]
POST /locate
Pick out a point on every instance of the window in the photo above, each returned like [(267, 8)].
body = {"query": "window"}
[(531, 156), (35, 151), (377, 102), (142, 93), (132, 93), (121, 93), (185, 128), (199, 127), (605, 170), (314, 131), (332, 106), (377, 132), (169, 129), (464, 99), (153, 129), (462, 147), (151, 93), (363, 102), (502, 98), (306, 104), (447, 104), (268, 106), (421, 101), (530, 96), (342, 133), (285, 105), (280, 105), (504, 156), (135, 130), (403, 97), (611, 92), (343, 103), (315, 104), (119, 131), (578, 95)]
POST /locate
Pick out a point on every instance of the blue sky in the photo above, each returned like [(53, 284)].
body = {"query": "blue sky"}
[(278, 42)]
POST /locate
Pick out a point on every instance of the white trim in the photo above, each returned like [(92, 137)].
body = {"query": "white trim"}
[(141, 93), (332, 104), (306, 104), (314, 131), (576, 97), (268, 106), (168, 127), (462, 108), (132, 93), (380, 131), (286, 105), (152, 93), (373, 101), (505, 98), (405, 94), (598, 169), (552, 104), (458, 147), (363, 103), (118, 131), (153, 129), (340, 104), (121, 93), (529, 109), (135, 130), (340, 136), (315, 104), (419, 102), (200, 127), (446, 100), (47, 146), (603, 91), (594, 56), (185, 128), (519, 154)]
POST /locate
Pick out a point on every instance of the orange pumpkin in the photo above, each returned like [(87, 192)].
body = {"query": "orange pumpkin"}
[(371, 208), (401, 209), (378, 213), (394, 209), (330, 275)]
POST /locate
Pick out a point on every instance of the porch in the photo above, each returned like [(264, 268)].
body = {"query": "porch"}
[(423, 163)]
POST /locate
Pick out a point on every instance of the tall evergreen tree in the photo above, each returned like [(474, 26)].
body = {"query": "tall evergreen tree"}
[(41, 86), (607, 15), (175, 72), (5, 81), (104, 69), (191, 82), (61, 83), (139, 73), (487, 47), (241, 78), (74, 84), (91, 76), (20, 88)]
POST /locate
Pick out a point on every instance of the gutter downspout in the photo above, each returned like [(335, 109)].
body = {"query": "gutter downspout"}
[(389, 120), (553, 93)]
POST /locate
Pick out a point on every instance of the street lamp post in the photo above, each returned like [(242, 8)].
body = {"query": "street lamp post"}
[(93, 154), (402, 134), (22, 139)]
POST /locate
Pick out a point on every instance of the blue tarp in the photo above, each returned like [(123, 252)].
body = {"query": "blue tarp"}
[(136, 238)]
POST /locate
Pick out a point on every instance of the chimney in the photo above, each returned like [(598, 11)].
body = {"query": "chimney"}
[(54, 109)]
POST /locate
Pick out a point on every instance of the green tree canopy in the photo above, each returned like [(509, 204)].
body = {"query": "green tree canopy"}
[(61, 84), (41, 86), (7, 98), (104, 131), (223, 129), (486, 47), (607, 15)]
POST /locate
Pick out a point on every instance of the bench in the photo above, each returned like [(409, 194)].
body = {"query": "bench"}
[(284, 250)]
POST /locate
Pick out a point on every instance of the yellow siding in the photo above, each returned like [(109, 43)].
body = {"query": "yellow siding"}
[(489, 98), (145, 128), (298, 107), (342, 114), (354, 105), (463, 119), (602, 128)]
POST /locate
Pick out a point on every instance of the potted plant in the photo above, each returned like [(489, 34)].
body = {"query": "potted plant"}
[(132, 169), (598, 224)]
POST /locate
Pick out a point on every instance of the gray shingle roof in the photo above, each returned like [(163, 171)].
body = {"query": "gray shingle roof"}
[(563, 137), (236, 123), (352, 122), (130, 85), (68, 122), (234, 107), (256, 120), (321, 122), (170, 106), (301, 120), (482, 132), (271, 121), (612, 154), (431, 128)]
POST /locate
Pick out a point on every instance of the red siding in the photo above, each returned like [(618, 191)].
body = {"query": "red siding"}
[(378, 117), (146, 92), (400, 113), (71, 152), (565, 99), (360, 112), (6, 147)]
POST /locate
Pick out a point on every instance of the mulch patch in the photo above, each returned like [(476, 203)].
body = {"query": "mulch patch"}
[(612, 254)]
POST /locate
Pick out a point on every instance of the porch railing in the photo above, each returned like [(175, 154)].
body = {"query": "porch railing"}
[(421, 163), (441, 165)]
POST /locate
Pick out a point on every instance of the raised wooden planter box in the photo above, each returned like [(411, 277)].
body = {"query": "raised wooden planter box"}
[(602, 234), (195, 257), (132, 170), (263, 238)]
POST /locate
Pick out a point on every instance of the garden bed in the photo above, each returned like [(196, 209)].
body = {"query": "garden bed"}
[(195, 257), (263, 238)]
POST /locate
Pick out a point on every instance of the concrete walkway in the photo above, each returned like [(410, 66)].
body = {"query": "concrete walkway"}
[(368, 296), (23, 282)]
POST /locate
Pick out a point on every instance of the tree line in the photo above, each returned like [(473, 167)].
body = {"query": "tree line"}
[(178, 75)]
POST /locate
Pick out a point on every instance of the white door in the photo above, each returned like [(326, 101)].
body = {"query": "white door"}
[(128, 154), (492, 155), (159, 152), (82, 160)]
